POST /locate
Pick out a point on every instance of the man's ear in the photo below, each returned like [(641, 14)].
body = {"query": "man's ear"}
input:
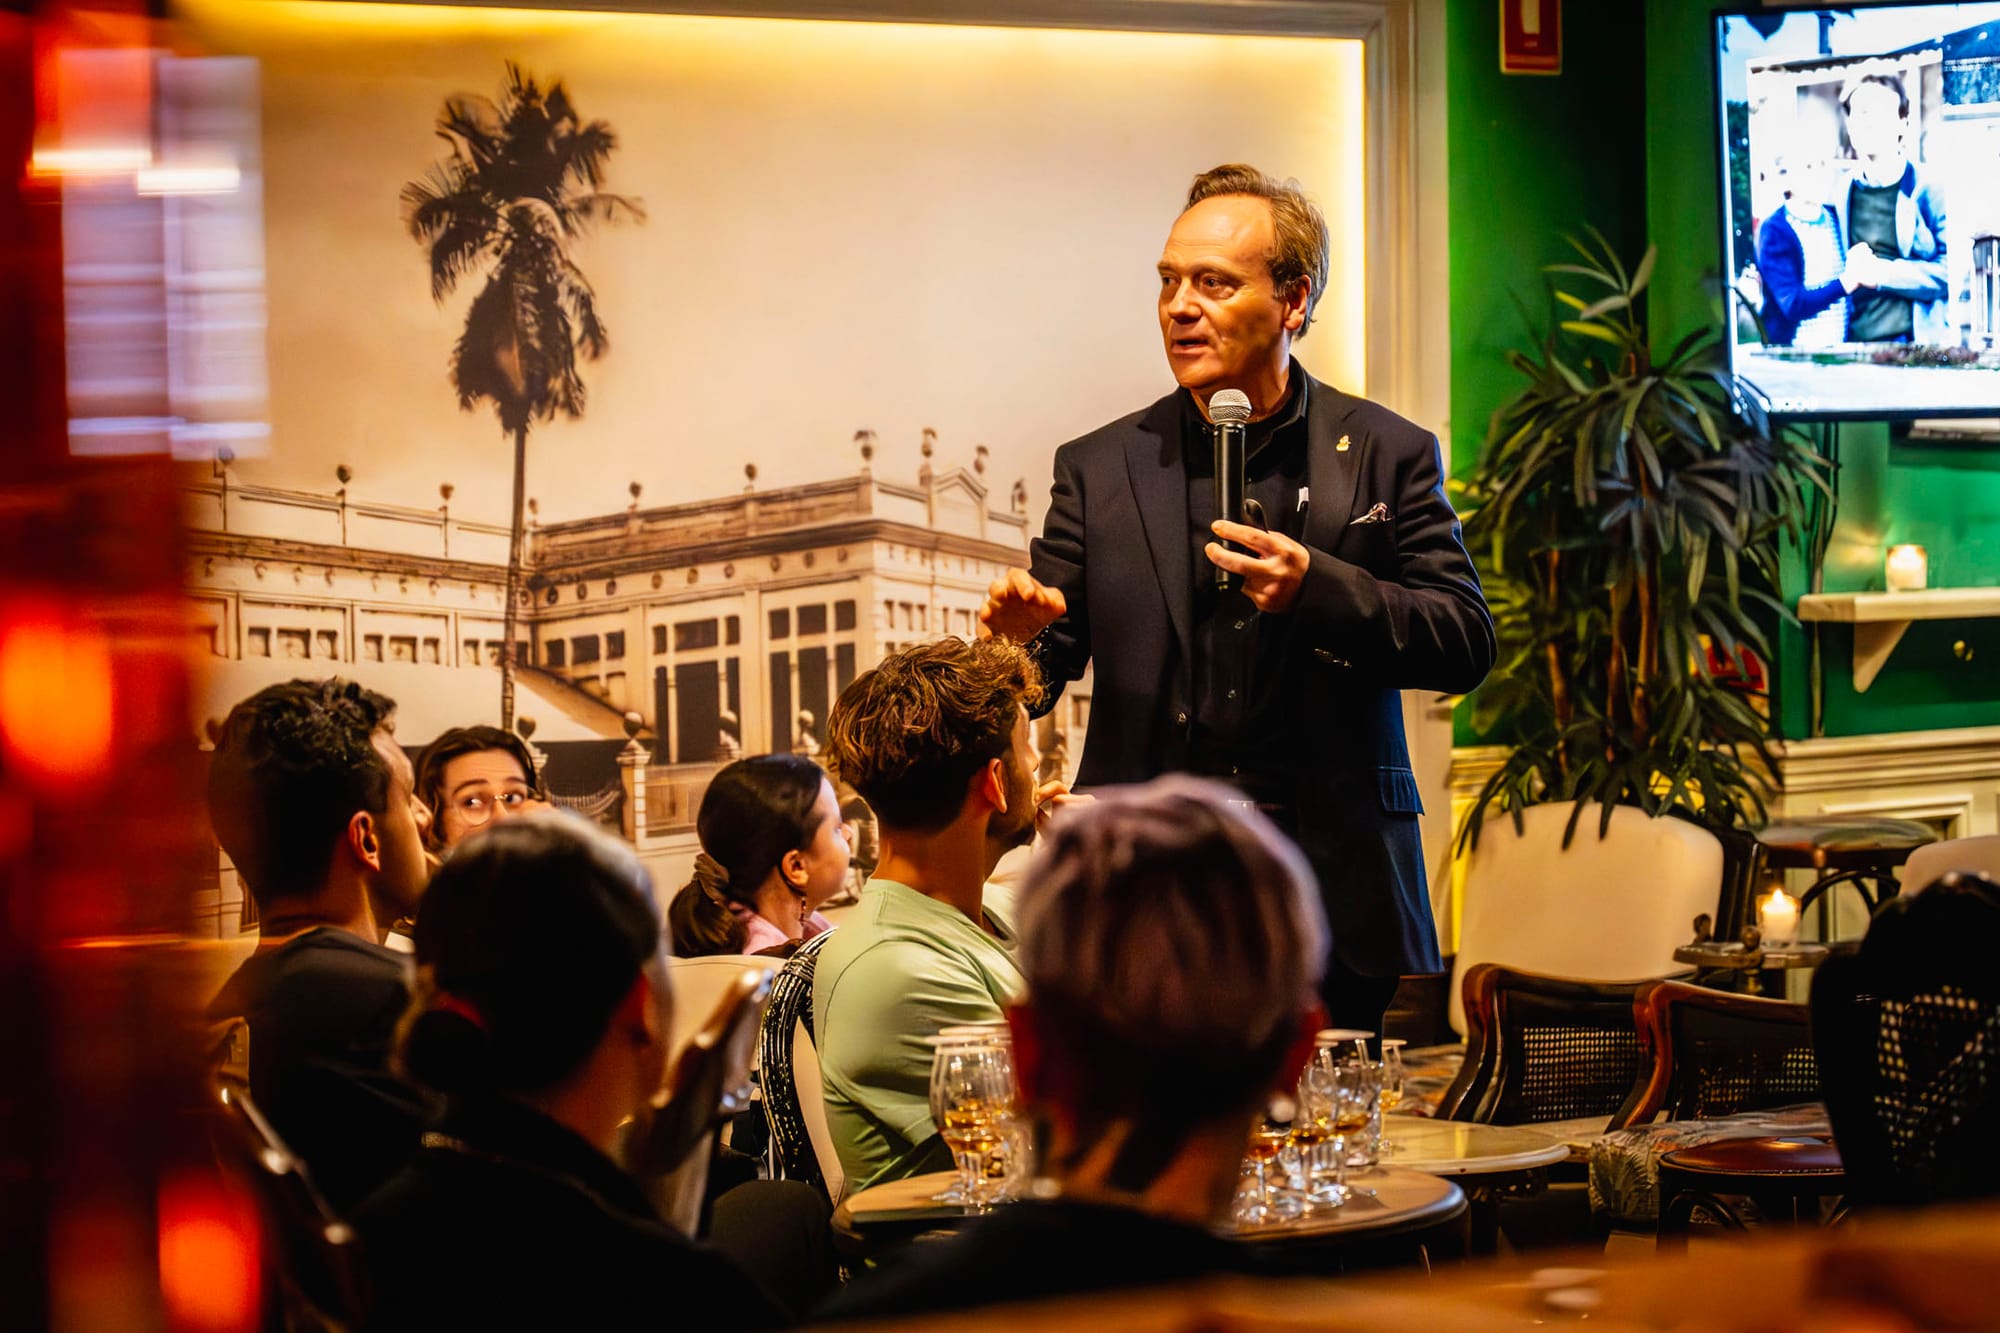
[(1296, 301), (363, 841), (990, 785)]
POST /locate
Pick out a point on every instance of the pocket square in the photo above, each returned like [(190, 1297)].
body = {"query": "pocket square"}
[(1378, 513)]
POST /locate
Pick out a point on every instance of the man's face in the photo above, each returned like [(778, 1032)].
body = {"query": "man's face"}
[(1016, 828), (479, 790), (1875, 122), (399, 831), (1224, 323)]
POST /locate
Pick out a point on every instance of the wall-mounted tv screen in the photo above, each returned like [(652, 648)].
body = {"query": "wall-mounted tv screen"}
[(1861, 207)]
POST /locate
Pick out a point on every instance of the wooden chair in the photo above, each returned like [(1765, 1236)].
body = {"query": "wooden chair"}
[(1544, 1048), (1601, 909), (1712, 1053), (313, 1274), (1907, 1033)]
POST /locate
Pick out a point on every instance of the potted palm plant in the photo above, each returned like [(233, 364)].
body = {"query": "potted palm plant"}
[(1627, 512)]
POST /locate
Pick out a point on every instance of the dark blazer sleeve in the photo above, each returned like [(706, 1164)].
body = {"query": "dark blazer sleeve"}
[(1781, 265), (1425, 627), (1056, 560)]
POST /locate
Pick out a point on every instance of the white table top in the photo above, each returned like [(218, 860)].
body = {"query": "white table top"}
[(1457, 1148)]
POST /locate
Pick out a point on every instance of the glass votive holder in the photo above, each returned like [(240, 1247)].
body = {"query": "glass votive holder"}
[(1906, 568)]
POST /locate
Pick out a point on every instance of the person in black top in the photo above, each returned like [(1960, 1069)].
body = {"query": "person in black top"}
[(312, 798), (540, 1012), (1172, 943), (1352, 583)]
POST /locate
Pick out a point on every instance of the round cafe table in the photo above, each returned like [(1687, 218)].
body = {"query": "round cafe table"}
[(1488, 1160), (1408, 1206)]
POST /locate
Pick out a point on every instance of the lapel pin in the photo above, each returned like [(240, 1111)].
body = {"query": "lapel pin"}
[(1343, 446)]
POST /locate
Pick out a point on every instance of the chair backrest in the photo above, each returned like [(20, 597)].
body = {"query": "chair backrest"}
[(788, 1070), (1713, 1053), (1907, 1032), (313, 1267), (1603, 909), (699, 985), (1929, 864), (1544, 1048)]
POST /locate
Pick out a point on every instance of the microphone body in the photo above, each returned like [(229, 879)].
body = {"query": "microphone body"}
[(1229, 417)]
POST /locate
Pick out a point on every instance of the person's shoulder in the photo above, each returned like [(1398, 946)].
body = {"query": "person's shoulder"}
[(1349, 411)]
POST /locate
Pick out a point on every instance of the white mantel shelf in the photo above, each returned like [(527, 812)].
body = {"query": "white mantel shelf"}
[(1880, 618)]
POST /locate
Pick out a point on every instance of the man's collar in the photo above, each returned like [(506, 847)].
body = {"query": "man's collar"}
[(1298, 394)]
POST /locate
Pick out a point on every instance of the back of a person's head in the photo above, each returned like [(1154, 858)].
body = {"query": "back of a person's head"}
[(1172, 942), (910, 734), (528, 939), (754, 811), (293, 764)]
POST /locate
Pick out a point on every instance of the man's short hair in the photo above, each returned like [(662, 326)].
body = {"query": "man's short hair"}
[(1300, 228), (1171, 940), (454, 744), (1889, 81), (910, 733), (293, 764)]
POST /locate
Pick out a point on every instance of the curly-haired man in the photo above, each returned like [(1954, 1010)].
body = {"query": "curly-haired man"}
[(936, 740)]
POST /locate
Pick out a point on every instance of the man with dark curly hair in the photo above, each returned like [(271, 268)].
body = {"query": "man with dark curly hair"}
[(314, 802), (936, 740)]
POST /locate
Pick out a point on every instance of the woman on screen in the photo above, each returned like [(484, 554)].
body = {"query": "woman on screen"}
[(1802, 260)]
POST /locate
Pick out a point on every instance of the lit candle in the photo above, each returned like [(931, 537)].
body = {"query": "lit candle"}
[(1778, 917), (1907, 568)]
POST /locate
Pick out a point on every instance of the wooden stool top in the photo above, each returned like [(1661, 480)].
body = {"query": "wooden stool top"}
[(1842, 843)]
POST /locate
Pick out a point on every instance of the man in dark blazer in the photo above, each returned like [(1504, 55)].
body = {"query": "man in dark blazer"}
[(1353, 584)]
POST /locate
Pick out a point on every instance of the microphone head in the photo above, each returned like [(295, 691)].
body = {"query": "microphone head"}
[(1229, 405)]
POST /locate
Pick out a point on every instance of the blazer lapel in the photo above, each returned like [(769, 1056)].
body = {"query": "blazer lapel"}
[(1332, 472), (1159, 485)]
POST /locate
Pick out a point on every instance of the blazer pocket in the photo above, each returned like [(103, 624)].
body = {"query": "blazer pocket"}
[(1399, 791)]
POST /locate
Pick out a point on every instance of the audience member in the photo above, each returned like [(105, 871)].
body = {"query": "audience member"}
[(545, 1031), (1172, 943), (773, 848), (472, 777), (936, 740), (313, 800)]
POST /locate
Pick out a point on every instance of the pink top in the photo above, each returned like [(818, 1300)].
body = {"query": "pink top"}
[(760, 934)]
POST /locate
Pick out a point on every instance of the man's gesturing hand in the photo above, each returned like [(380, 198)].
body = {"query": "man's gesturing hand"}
[(1272, 572), (1019, 608)]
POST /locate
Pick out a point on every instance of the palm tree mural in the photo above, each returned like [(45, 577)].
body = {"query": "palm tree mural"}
[(520, 184)]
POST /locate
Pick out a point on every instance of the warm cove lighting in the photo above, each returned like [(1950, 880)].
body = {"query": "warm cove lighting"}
[(193, 178), (110, 160)]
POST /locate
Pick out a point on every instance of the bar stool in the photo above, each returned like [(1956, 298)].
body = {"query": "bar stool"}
[(1843, 850), (1777, 1173)]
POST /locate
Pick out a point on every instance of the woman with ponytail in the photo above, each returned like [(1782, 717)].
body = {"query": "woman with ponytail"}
[(773, 848), (540, 1012)]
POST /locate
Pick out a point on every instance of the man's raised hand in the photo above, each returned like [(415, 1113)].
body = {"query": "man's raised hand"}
[(1019, 608)]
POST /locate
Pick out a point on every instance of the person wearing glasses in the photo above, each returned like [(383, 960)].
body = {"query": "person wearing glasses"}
[(472, 777)]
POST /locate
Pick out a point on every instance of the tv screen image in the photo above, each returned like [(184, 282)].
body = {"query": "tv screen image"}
[(1861, 196)]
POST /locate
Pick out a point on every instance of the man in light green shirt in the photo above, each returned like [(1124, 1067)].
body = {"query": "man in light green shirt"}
[(936, 739)]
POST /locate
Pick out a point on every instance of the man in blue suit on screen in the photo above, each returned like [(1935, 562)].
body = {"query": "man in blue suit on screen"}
[(1354, 583)]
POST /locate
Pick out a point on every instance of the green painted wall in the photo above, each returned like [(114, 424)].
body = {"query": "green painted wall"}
[(1625, 139)]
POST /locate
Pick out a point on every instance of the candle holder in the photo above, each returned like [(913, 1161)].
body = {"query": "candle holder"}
[(1778, 918), (1906, 568)]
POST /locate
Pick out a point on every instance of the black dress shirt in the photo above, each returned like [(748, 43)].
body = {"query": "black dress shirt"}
[(1235, 730)]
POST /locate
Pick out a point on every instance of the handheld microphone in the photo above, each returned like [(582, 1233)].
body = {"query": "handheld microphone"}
[(1229, 417)]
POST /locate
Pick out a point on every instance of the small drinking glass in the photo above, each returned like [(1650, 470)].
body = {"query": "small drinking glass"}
[(1392, 1085), (1355, 1090), (975, 1109), (1322, 1169), (1270, 1203)]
